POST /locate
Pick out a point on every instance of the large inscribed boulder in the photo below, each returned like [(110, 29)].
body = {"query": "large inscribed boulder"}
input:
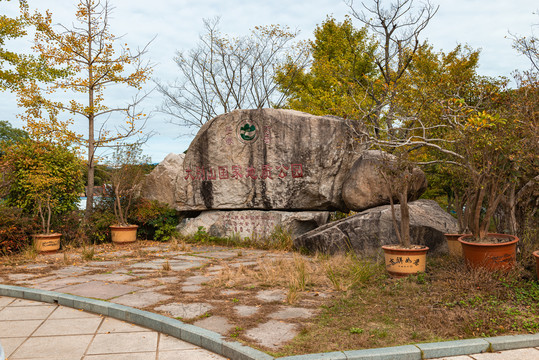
[(267, 159)]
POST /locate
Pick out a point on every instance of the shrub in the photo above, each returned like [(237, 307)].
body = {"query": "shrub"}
[(44, 178), (156, 221), (71, 226), (97, 227), (16, 229)]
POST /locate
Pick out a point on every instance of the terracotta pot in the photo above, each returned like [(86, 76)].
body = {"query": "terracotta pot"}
[(501, 256), (123, 234), (455, 248), (536, 255), (402, 262), (46, 243)]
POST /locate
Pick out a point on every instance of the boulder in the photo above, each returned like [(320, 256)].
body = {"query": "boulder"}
[(364, 187), (253, 223), (160, 184), (367, 231), (267, 159)]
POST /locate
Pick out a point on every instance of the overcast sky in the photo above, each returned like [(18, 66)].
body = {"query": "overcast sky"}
[(483, 24)]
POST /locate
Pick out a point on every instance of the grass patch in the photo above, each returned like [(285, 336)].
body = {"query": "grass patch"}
[(448, 302), (279, 239)]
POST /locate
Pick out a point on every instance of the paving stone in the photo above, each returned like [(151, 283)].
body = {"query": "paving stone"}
[(104, 263), (171, 343), (60, 282), (154, 288), (26, 313), (72, 270), (291, 313), (50, 347), (44, 279), (229, 292), (11, 344), (218, 324), (191, 288), (36, 266), (63, 312), (99, 290), (84, 326), (4, 301), (18, 328), (141, 299), (21, 277), (147, 355), (271, 295), (123, 343), (120, 253), (111, 325), (198, 354), (175, 265), (220, 254), (273, 334), (185, 311), (245, 310), (24, 302), (197, 280), (166, 280), (520, 354), (145, 283), (110, 277)]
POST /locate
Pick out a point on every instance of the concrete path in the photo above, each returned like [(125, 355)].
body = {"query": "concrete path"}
[(33, 330), (193, 284)]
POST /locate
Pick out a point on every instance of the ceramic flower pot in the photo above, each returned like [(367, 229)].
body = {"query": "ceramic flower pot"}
[(536, 255), (455, 248), (492, 256), (401, 262), (46, 243), (123, 234)]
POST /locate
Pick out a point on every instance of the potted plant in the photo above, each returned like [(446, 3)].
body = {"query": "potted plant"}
[(457, 187), (45, 179), (126, 175), (490, 155), (399, 173)]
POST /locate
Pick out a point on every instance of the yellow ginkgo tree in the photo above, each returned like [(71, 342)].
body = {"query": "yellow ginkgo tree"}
[(95, 61)]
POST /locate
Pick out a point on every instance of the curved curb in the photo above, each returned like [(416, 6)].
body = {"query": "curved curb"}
[(214, 342), (206, 339)]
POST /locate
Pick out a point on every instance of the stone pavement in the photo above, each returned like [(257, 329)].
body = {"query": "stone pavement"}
[(34, 330), (189, 284)]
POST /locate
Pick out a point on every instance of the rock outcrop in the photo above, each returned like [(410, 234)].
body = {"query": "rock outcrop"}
[(364, 187), (367, 231), (160, 184), (253, 223)]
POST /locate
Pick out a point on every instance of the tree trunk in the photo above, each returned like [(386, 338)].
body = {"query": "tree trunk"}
[(405, 217), (91, 140)]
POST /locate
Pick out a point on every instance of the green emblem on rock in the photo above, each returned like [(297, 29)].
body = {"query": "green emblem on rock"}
[(248, 132)]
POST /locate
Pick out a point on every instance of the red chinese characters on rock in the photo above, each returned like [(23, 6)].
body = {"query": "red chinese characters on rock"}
[(238, 172)]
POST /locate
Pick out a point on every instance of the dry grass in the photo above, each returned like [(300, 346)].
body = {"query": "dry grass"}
[(448, 302), (179, 245)]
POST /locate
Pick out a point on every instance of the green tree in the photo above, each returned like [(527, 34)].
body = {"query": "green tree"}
[(95, 61), (44, 179), (341, 63), (10, 135)]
